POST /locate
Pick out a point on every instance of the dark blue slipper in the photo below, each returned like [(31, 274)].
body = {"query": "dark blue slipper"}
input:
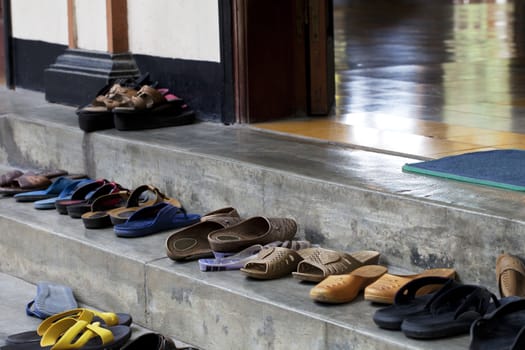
[(156, 218)]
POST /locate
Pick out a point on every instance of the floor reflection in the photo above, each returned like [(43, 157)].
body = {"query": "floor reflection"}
[(425, 78)]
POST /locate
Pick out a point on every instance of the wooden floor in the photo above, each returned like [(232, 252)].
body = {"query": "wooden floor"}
[(425, 78)]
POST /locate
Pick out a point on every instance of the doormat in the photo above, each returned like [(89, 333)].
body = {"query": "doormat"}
[(499, 168)]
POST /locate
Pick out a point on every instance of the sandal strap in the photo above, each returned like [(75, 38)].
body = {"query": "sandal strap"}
[(109, 318), (147, 97), (465, 298), (70, 333), (408, 292), (134, 198)]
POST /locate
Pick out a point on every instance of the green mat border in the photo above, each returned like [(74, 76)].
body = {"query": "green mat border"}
[(413, 169)]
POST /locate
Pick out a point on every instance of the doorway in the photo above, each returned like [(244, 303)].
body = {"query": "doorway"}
[(282, 58)]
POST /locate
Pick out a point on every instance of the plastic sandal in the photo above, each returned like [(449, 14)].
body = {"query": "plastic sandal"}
[(98, 217), (510, 275), (152, 108), (52, 191), (81, 195), (106, 318), (66, 193), (325, 262), (452, 313), (233, 262), (385, 288), (192, 242), (155, 218), (142, 196), (255, 230), (274, 262), (337, 289), (408, 303), (502, 329)]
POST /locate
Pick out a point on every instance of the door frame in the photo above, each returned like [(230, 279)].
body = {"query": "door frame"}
[(307, 35), (8, 44)]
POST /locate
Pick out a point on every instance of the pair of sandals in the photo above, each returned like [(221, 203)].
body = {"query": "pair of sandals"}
[(222, 232), (78, 328), (134, 105), (15, 181), (453, 309)]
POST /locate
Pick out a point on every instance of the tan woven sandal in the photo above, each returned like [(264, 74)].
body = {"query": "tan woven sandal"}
[(272, 263), (338, 289), (325, 262), (510, 274), (385, 288)]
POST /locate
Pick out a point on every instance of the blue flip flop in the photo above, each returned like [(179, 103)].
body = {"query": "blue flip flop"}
[(66, 193), (156, 218), (52, 191)]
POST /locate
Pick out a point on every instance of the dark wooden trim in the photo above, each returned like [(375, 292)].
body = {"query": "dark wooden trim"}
[(117, 25), (225, 32), (240, 61), (8, 45), (71, 25)]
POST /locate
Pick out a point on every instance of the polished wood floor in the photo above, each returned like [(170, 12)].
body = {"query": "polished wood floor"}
[(425, 78)]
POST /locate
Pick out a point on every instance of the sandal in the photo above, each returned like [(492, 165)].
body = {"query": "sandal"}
[(81, 195), (452, 313), (407, 303), (338, 289), (192, 242), (142, 196), (75, 210), (274, 262), (156, 218), (98, 217), (255, 230), (510, 275), (53, 190), (151, 109), (325, 262), (385, 288), (98, 115), (502, 329), (105, 318)]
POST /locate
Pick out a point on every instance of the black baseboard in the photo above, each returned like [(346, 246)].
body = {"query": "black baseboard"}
[(76, 76), (30, 59)]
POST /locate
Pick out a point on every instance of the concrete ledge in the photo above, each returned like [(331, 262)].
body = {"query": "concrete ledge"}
[(342, 198), (219, 310)]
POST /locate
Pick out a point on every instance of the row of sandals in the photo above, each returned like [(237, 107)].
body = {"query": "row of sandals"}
[(428, 305)]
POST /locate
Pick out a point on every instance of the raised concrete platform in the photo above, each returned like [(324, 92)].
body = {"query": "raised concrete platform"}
[(342, 198)]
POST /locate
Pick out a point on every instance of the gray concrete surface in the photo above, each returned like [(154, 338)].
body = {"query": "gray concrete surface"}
[(342, 198), (15, 293), (213, 310)]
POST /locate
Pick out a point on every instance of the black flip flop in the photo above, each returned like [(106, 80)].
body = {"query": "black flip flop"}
[(452, 313), (502, 329), (407, 303)]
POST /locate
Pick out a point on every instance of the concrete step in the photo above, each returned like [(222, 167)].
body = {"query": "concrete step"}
[(15, 293), (343, 198), (213, 310)]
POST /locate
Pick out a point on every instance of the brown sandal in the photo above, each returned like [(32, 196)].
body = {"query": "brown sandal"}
[(274, 262), (510, 274), (121, 215), (325, 262)]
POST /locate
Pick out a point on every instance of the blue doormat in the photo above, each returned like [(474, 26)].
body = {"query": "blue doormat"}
[(500, 168)]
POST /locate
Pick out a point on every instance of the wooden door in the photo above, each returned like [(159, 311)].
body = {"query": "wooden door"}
[(282, 58)]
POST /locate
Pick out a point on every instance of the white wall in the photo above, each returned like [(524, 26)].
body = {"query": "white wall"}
[(91, 24), (185, 29), (44, 20)]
